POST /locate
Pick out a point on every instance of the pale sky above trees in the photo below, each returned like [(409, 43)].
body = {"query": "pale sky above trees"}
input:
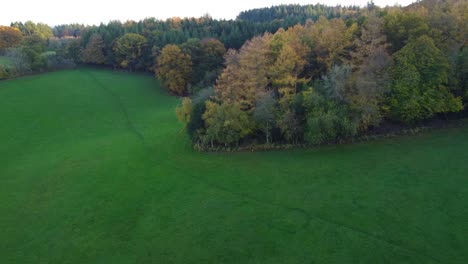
[(54, 12)]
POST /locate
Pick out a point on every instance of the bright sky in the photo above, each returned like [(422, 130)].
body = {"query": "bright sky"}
[(54, 12)]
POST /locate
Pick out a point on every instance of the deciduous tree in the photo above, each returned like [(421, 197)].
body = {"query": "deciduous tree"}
[(174, 69), (419, 82), (226, 123), (94, 51), (129, 49), (9, 37)]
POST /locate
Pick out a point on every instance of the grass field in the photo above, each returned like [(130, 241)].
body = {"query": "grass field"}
[(94, 169)]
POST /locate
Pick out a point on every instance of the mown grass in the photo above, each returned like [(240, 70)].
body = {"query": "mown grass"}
[(94, 168)]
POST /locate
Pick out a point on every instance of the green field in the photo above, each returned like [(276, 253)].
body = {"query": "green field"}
[(94, 168)]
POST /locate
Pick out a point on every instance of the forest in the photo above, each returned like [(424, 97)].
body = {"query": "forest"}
[(290, 74)]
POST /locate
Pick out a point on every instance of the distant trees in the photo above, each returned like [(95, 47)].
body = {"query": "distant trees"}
[(68, 30), (174, 69), (294, 14), (40, 30)]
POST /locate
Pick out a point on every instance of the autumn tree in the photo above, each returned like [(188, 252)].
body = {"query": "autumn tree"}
[(9, 37), (420, 76), (128, 50), (214, 51), (331, 39), (371, 39), (94, 50), (245, 77), (290, 59), (174, 69), (370, 78), (368, 87)]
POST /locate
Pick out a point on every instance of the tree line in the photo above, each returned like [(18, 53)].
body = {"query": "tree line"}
[(329, 81), (288, 74), (135, 45)]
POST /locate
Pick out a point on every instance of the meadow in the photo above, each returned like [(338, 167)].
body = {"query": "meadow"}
[(95, 168)]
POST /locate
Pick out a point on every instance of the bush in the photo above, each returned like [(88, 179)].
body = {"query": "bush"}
[(3, 73)]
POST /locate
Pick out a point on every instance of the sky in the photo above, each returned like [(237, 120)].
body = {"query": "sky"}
[(55, 12)]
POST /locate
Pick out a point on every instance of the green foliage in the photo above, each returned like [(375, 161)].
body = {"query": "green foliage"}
[(226, 123), (195, 127), (5, 61), (461, 72), (128, 50), (20, 62), (33, 47), (3, 73), (326, 120), (290, 126), (402, 27), (194, 48), (419, 83), (293, 14), (73, 50), (265, 114), (30, 28), (334, 84)]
